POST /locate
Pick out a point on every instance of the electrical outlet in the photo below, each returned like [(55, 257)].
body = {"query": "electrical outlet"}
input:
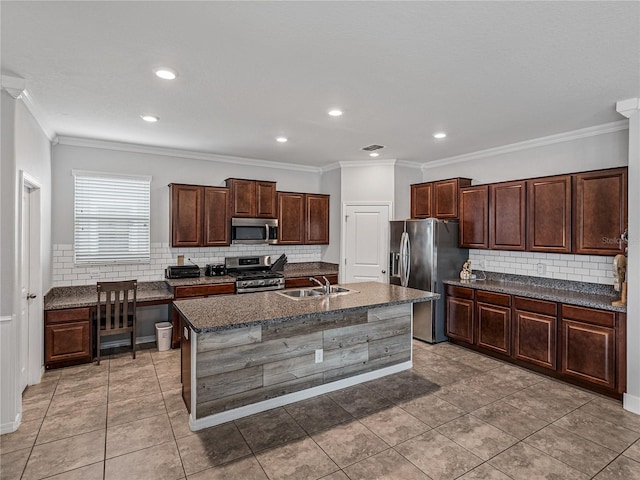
[(319, 355), (94, 273), (542, 269)]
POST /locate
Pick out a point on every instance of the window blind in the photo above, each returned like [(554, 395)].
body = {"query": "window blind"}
[(111, 219)]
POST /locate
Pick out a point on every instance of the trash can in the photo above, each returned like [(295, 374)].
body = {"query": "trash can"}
[(163, 335)]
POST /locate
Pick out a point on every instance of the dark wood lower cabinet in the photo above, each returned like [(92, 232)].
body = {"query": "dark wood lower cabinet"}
[(494, 327), (460, 319), (301, 282), (67, 337), (535, 338)]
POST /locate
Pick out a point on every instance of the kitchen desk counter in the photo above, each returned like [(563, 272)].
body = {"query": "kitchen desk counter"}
[(85, 295), (562, 291)]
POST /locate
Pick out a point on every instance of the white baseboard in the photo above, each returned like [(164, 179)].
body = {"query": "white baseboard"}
[(125, 342), (631, 403), (11, 427), (227, 416)]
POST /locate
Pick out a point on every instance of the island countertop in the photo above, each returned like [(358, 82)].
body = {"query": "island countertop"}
[(232, 311)]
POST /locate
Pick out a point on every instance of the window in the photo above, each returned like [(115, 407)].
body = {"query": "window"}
[(111, 215)]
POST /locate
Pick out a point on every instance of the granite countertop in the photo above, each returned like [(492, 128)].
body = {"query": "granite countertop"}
[(201, 280), (232, 311), (563, 291), (308, 269), (86, 296)]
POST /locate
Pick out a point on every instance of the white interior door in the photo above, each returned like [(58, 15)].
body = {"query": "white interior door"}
[(25, 268), (366, 242)]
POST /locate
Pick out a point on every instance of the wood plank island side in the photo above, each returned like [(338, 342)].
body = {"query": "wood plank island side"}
[(261, 364)]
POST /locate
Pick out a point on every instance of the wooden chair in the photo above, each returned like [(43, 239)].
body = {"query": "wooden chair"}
[(116, 311)]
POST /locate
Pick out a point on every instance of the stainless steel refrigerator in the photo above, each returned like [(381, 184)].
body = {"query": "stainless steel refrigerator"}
[(423, 253)]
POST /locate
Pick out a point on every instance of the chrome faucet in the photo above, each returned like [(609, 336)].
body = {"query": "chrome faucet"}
[(325, 288), (327, 285)]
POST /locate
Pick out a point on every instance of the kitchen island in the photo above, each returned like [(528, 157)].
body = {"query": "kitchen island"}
[(243, 354)]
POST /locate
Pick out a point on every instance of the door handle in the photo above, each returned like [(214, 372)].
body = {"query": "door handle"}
[(31, 296), (384, 271)]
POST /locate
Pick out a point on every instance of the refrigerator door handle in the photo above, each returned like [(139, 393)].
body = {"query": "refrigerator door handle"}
[(404, 259), (407, 270)]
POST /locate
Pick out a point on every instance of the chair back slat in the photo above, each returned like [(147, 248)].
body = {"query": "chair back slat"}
[(112, 311)]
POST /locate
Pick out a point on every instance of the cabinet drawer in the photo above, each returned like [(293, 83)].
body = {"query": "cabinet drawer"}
[(200, 290), (67, 315), (536, 306), (493, 298), (590, 315), (459, 292)]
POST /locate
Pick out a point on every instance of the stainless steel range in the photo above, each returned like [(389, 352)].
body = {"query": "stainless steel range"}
[(253, 274)]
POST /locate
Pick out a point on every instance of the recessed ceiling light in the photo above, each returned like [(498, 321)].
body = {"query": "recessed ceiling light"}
[(166, 73), (335, 112), (374, 154), (150, 118), (439, 135), (282, 139)]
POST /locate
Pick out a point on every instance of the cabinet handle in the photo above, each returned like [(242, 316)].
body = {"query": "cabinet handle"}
[(31, 296)]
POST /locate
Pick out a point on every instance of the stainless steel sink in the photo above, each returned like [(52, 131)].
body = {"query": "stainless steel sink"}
[(318, 292)]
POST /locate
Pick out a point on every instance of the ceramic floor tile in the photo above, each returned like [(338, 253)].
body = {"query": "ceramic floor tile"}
[(42, 390), (125, 360), (63, 404), (133, 388), (394, 425), (387, 465), (484, 472), (161, 462), (129, 437), (467, 396), (81, 371), (211, 447), (299, 460), (600, 431), (349, 443), (633, 451), (35, 409), (65, 455), (437, 456), (612, 411), (359, 400), (132, 374), (180, 424), (245, 468), (575, 451), (339, 475), (173, 400), (432, 410), (523, 462), (90, 472), (402, 386), (22, 438), (12, 463), (478, 437), (622, 468), (170, 382), (318, 413), (268, 429), (509, 419), (83, 380), (479, 362), (135, 409), (80, 421)]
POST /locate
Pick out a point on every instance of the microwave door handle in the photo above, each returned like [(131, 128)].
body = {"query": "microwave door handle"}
[(266, 233)]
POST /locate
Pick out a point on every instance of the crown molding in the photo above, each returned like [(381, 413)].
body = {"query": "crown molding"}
[(331, 166), (368, 163), (172, 152), (408, 164), (527, 144), (17, 88), (627, 107)]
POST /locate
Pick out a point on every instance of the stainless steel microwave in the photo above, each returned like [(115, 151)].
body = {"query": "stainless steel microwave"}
[(254, 231)]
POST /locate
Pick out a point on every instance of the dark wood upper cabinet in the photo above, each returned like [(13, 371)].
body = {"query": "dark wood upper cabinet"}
[(600, 211), (474, 217), (421, 200), (316, 219), (291, 221), (215, 228), (445, 197), (507, 215), (199, 216), (186, 215), (549, 214), (252, 199)]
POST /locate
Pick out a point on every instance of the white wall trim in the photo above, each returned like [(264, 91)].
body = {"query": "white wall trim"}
[(222, 417), (17, 88), (172, 152), (367, 163), (5, 318), (631, 403), (408, 164), (627, 107), (527, 144), (331, 166), (10, 427)]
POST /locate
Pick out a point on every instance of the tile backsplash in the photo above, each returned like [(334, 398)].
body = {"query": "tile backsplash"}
[(580, 268), (65, 272)]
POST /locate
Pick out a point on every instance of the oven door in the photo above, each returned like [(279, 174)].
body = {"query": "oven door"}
[(250, 231)]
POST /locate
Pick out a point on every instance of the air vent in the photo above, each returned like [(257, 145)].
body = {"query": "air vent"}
[(372, 148)]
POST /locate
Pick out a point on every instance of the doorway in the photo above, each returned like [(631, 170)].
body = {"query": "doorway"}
[(365, 242)]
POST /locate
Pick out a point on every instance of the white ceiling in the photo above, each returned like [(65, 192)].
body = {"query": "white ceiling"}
[(487, 73)]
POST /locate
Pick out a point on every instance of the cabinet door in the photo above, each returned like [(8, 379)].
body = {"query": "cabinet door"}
[(588, 352), (291, 218), (600, 212), (445, 197), (67, 342), (474, 217), (493, 313), (316, 219), (186, 215), (535, 338), (266, 200), (507, 216), (216, 217), (421, 200), (243, 197), (549, 214), (460, 319)]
